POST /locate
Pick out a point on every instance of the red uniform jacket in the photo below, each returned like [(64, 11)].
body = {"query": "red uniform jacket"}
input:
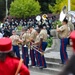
[(9, 67)]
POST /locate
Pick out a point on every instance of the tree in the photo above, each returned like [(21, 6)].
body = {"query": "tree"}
[(56, 8), (60, 4), (24, 8), (45, 5), (3, 8), (73, 5)]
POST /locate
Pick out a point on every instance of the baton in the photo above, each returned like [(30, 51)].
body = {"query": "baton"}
[(19, 66)]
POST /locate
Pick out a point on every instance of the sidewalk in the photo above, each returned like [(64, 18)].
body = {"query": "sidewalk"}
[(51, 53)]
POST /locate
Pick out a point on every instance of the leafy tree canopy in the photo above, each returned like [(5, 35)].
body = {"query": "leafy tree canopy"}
[(24, 8), (60, 4)]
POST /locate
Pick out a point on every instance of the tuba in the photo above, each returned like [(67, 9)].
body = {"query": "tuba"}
[(38, 18), (71, 15), (63, 14), (44, 16)]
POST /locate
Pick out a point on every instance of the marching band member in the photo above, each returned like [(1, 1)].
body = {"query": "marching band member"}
[(9, 64), (42, 46), (22, 32), (63, 32), (36, 46), (32, 39), (15, 41), (69, 69), (25, 44)]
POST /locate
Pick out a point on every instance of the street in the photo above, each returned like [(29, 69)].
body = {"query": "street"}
[(36, 73)]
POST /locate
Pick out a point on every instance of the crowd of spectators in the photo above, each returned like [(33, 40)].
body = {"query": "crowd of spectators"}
[(11, 24)]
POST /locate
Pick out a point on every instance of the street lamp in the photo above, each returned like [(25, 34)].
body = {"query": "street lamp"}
[(69, 5), (6, 8)]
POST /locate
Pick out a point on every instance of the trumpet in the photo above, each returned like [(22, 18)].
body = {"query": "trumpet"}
[(35, 48)]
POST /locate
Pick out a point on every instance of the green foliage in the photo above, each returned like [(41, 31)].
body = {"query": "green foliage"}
[(0, 23), (56, 7), (19, 28), (51, 8), (49, 40), (73, 5), (44, 5), (24, 8), (60, 4), (58, 1), (57, 22)]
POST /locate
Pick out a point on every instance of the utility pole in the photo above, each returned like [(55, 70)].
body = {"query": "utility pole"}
[(6, 8), (69, 5)]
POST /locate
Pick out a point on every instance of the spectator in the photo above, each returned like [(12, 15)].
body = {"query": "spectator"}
[(8, 63), (1, 35)]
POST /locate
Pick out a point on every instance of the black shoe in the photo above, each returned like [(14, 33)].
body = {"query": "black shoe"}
[(44, 67), (41, 67), (61, 63)]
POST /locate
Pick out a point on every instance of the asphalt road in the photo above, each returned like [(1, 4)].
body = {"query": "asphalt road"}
[(37, 73)]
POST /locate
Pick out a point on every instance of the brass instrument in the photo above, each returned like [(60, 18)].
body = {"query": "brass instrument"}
[(18, 43), (63, 14), (66, 14), (44, 16), (38, 18), (35, 48), (71, 15)]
